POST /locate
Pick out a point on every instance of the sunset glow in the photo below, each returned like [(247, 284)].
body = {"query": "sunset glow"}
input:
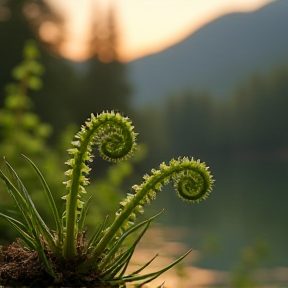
[(145, 26)]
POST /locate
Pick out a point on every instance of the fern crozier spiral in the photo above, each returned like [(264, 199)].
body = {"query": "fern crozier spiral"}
[(192, 180), (195, 184), (115, 138)]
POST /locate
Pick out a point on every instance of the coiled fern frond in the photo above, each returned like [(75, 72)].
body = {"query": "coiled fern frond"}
[(115, 138), (192, 181)]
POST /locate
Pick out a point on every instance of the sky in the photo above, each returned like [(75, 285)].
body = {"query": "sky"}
[(146, 26)]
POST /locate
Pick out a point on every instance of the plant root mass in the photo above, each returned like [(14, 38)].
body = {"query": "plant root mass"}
[(20, 267)]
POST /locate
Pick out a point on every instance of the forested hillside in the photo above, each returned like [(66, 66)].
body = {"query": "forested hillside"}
[(252, 122), (216, 57)]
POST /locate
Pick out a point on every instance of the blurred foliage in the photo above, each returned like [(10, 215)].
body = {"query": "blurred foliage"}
[(22, 132), (94, 85), (19, 21), (250, 259), (194, 111), (259, 113), (251, 123), (19, 125)]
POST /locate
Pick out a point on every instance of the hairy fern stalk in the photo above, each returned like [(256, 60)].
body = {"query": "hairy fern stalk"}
[(104, 255)]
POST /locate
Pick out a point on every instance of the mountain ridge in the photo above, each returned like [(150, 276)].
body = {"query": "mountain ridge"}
[(216, 57)]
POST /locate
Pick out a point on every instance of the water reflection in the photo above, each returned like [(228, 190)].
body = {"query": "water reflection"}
[(248, 206), (163, 241)]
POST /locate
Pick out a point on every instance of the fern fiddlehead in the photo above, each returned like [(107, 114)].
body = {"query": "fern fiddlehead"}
[(114, 136), (192, 180)]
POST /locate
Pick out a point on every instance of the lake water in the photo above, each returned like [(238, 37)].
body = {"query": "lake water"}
[(247, 211)]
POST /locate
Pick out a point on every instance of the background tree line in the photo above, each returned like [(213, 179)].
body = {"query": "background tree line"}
[(66, 96), (71, 93), (252, 123)]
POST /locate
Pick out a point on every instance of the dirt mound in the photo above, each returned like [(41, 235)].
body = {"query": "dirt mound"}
[(22, 267)]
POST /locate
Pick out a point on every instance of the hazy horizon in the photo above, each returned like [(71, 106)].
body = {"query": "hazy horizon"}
[(140, 29)]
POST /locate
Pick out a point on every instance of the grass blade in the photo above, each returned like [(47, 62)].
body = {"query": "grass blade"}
[(37, 227), (94, 239), (37, 231), (119, 242), (151, 276), (83, 215), (123, 261), (18, 198), (118, 264), (144, 266), (17, 225), (50, 199)]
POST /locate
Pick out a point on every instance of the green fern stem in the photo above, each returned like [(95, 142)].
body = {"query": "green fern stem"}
[(114, 136), (192, 181)]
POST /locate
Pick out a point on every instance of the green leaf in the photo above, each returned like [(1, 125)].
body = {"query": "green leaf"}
[(50, 198), (132, 250), (97, 235), (121, 262), (151, 276), (83, 215), (43, 130), (16, 101), (19, 72), (37, 227), (18, 198), (30, 50), (34, 83), (119, 242), (30, 120), (35, 68), (17, 225), (144, 266)]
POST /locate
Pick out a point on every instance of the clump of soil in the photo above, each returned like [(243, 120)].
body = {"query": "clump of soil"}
[(21, 267)]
